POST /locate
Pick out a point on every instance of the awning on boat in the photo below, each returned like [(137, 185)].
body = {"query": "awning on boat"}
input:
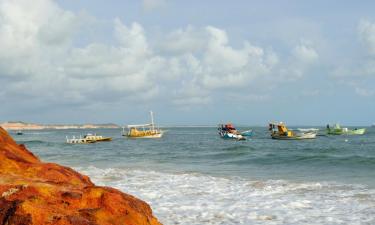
[(140, 125)]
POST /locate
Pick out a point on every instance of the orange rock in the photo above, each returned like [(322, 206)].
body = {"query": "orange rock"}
[(33, 192)]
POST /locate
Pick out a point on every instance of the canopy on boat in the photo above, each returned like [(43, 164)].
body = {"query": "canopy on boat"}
[(140, 125)]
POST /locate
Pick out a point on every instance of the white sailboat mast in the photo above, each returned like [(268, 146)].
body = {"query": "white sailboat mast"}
[(152, 120)]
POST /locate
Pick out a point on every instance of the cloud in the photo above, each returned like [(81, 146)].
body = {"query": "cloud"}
[(303, 57), (212, 63), (366, 31), (364, 92), (150, 5), (305, 53), (191, 66)]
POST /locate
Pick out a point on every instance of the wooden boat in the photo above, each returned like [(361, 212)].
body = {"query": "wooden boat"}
[(338, 130), (228, 131), (143, 130), (281, 132), (94, 137), (79, 140)]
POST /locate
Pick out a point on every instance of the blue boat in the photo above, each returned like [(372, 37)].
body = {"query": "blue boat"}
[(228, 131)]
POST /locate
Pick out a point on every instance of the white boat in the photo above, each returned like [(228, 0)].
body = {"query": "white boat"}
[(143, 130), (316, 130), (79, 140)]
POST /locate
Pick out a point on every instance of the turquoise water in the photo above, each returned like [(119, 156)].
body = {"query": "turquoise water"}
[(191, 176)]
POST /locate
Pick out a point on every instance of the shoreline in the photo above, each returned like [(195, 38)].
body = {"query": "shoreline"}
[(14, 126)]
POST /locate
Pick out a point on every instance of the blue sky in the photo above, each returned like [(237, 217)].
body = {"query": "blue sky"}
[(191, 62)]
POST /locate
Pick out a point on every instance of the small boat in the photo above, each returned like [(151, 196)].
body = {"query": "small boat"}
[(281, 132), (228, 131), (338, 130), (95, 137), (79, 140), (143, 130), (308, 129), (19, 132), (247, 133)]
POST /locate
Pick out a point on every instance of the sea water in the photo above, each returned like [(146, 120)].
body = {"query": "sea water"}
[(192, 176)]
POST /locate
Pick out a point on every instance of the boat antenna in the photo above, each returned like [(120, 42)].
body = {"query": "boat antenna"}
[(152, 120)]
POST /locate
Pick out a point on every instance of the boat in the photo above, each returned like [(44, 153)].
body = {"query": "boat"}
[(281, 132), (228, 131), (95, 137), (308, 129), (19, 132), (143, 130), (79, 140), (247, 133), (338, 130)]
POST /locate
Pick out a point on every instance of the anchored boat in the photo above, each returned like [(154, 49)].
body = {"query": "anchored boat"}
[(228, 131), (79, 140), (94, 137), (280, 131), (338, 130), (143, 130)]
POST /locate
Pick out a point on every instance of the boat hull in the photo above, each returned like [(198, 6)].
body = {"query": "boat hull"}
[(105, 139), (247, 133), (232, 136), (157, 135), (296, 137), (79, 141), (346, 132)]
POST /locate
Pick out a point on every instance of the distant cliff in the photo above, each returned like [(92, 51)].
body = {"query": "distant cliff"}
[(33, 126), (34, 192)]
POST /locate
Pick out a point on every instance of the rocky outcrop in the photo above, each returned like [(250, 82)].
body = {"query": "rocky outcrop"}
[(34, 192)]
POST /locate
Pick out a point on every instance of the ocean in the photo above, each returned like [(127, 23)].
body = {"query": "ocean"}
[(192, 176)]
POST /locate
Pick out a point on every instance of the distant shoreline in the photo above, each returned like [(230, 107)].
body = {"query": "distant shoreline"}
[(35, 126)]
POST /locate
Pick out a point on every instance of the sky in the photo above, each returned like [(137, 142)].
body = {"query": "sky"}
[(191, 62)]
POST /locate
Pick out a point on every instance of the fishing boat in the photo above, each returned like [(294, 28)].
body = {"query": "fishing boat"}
[(338, 130), (79, 140), (228, 131), (143, 130), (94, 137), (281, 132)]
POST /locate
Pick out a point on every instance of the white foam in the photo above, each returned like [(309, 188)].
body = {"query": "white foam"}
[(187, 198)]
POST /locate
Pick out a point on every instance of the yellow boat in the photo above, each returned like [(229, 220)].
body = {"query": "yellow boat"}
[(94, 137), (280, 131), (143, 130)]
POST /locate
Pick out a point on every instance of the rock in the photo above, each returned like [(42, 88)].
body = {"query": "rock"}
[(34, 192)]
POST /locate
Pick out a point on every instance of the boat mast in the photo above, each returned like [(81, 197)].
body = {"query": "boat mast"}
[(152, 120)]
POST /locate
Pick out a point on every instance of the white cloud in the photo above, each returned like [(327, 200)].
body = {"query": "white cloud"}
[(192, 66), (364, 92), (303, 57), (366, 31), (150, 5), (305, 53)]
